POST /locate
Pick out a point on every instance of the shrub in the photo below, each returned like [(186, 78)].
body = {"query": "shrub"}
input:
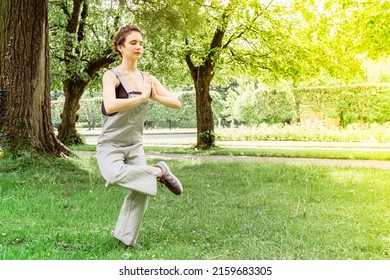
[(284, 132)]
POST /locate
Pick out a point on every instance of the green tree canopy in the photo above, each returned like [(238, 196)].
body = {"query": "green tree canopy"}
[(369, 26)]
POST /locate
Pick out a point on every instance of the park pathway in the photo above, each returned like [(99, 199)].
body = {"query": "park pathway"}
[(308, 161), (281, 160)]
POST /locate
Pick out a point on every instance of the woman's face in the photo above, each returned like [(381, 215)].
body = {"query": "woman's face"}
[(133, 46)]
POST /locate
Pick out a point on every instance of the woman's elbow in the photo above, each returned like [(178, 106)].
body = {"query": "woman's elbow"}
[(177, 105), (109, 109)]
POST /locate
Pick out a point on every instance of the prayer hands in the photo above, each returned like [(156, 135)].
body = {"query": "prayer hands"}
[(147, 86)]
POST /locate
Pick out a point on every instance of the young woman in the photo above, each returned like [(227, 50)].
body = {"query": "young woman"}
[(119, 150)]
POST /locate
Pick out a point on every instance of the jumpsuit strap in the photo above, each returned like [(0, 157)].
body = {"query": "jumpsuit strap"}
[(123, 81)]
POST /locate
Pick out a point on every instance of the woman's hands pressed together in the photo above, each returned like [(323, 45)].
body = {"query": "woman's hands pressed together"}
[(147, 87)]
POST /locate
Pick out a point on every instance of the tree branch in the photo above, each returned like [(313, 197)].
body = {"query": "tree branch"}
[(96, 64), (247, 26), (74, 17), (83, 20)]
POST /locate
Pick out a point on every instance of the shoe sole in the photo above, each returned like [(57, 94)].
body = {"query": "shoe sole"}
[(171, 174)]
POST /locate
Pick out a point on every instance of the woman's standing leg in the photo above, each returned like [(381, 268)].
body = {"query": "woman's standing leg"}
[(130, 218), (135, 204)]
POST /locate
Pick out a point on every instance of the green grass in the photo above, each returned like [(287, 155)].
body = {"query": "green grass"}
[(59, 209), (258, 152)]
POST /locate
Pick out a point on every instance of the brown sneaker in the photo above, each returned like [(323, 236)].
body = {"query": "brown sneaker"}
[(168, 179)]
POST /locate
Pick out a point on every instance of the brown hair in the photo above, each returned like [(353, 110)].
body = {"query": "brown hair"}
[(120, 37)]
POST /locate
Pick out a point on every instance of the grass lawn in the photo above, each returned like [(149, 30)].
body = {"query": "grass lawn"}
[(59, 209)]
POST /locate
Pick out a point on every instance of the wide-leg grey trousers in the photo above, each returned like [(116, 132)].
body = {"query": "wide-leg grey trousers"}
[(126, 167)]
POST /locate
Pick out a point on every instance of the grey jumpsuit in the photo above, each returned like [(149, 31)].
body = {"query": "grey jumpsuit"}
[(121, 160)]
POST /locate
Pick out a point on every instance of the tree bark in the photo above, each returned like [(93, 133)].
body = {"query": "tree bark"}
[(25, 117), (202, 76), (67, 131)]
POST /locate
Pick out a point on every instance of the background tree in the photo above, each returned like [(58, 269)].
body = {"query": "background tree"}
[(231, 35), (81, 46), (90, 112), (25, 118)]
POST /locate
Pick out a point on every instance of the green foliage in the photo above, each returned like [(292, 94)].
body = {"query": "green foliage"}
[(89, 112), (264, 106), (315, 44), (317, 133), (364, 103), (56, 110), (161, 116), (373, 20)]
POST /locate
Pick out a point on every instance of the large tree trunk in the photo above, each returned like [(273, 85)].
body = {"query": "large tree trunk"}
[(204, 113), (25, 117)]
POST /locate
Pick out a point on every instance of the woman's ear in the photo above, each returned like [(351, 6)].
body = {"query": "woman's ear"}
[(120, 47)]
